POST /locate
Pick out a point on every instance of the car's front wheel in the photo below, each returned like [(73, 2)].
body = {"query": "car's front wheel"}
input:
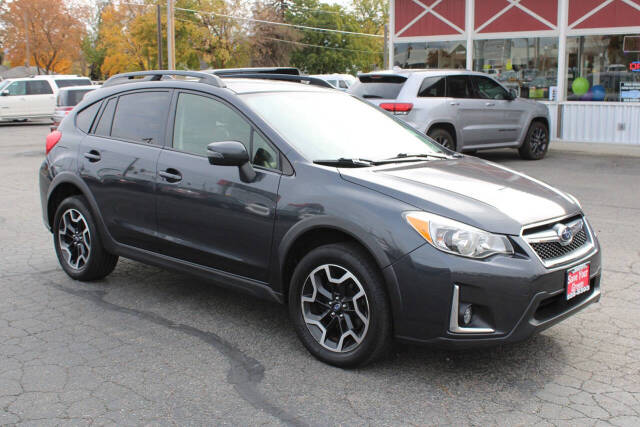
[(339, 307), (536, 142), (78, 244)]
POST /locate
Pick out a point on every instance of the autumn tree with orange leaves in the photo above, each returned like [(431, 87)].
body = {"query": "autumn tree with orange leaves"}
[(55, 30)]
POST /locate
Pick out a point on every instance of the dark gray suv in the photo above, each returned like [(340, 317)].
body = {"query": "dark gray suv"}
[(308, 196)]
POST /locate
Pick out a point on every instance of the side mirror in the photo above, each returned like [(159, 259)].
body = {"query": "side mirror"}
[(513, 94), (231, 153), (4, 93)]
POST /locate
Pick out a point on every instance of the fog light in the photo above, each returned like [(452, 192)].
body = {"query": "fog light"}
[(466, 317)]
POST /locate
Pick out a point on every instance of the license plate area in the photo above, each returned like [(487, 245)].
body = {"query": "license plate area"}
[(577, 281)]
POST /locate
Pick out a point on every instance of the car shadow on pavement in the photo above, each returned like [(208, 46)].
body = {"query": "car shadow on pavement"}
[(261, 330)]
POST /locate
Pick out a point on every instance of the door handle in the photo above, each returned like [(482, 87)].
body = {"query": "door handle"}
[(454, 103), (93, 156), (171, 175), (489, 104)]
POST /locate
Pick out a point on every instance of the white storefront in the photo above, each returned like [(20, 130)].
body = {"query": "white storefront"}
[(580, 57)]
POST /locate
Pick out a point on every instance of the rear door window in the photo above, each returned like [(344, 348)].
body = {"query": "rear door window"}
[(378, 86), (141, 117), (432, 87), (39, 87), (103, 128), (459, 87), (84, 118), (72, 82)]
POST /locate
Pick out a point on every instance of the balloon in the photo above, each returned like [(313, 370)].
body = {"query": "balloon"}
[(598, 92), (580, 86)]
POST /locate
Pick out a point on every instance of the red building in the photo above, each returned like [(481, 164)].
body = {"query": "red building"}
[(582, 57)]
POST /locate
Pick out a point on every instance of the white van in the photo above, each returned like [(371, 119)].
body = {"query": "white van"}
[(33, 97)]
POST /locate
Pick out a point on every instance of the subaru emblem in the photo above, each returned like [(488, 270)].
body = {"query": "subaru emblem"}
[(565, 234)]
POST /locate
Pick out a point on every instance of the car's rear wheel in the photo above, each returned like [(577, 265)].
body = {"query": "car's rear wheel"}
[(78, 244), (443, 137), (339, 307), (536, 142)]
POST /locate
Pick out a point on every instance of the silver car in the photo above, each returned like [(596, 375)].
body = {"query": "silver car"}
[(462, 110)]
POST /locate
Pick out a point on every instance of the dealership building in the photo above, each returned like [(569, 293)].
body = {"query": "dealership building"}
[(580, 57)]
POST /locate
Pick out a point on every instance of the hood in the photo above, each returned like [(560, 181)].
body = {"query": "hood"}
[(470, 190)]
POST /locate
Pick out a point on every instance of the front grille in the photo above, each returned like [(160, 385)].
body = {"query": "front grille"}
[(552, 250), (545, 240)]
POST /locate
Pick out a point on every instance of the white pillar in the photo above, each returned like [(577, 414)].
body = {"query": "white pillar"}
[(392, 30), (469, 28), (563, 23)]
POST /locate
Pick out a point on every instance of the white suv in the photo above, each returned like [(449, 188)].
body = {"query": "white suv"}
[(462, 110), (33, 97)]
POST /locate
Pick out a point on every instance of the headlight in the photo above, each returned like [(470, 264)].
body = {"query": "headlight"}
[(457, 238)]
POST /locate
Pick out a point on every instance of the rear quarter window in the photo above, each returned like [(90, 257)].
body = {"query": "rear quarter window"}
[(380, 87), (84, 118)]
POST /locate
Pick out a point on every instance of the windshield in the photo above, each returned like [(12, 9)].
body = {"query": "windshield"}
[(334, 125), (4, 83)]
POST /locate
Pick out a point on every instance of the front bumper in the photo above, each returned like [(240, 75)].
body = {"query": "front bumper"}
[(513, 296)]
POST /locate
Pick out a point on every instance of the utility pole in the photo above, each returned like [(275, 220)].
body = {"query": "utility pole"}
[(159, 27), (171, 37), (385, 55), (26, 41)]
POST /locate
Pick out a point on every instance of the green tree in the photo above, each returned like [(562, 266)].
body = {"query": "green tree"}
[(338, 53)]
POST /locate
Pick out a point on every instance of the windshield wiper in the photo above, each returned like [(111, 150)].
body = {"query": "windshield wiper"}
[(344, 162), (404, 157)]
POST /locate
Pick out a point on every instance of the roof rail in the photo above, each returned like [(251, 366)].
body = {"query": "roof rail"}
[(285, 77), (254, 70), (156, 75)]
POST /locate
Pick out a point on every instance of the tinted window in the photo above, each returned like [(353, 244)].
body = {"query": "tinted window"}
[(488, 89), (39, 87), (17, 88), (342, 84), (201, 120), (69, 98), (381, 87), (432, 87), (104, 125), (458, 87), (141, 117), (72, 82), (84, 118)]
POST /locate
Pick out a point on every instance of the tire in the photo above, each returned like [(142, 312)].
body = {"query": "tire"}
[(443, 137), (367, 315), (536, 142), (78, 244)]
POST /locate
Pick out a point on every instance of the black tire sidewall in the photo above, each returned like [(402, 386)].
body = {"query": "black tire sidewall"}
[(525, 150), (433, 133), (78, 204), (353, 260)]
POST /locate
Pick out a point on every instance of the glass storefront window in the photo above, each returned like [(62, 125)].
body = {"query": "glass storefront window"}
[(528, 65), (603, 68), (451, 54)]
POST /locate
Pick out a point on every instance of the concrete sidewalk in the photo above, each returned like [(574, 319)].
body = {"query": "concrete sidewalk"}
[(596, 148)]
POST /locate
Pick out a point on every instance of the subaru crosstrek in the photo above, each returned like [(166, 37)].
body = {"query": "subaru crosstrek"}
[(365, 227)]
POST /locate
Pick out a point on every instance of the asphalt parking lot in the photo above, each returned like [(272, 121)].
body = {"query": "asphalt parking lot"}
[(148, 346)]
